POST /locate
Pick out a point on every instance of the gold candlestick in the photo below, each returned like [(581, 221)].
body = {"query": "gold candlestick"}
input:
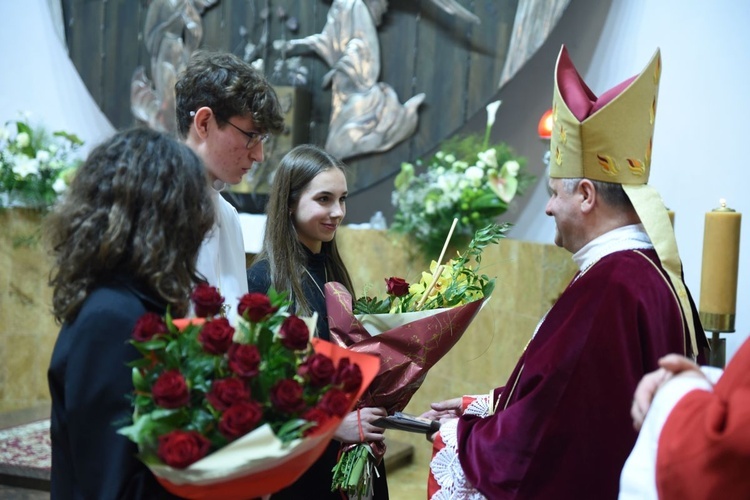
[(721, 249)]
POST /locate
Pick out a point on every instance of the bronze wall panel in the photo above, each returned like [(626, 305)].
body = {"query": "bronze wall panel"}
[(457, 64)]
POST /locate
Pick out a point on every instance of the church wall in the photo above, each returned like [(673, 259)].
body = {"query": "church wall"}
[(27, 328)]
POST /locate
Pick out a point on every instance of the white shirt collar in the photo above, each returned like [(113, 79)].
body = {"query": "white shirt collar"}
[(631, 237)]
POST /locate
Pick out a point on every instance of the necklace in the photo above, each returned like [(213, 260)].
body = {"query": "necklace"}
[(325, 270)]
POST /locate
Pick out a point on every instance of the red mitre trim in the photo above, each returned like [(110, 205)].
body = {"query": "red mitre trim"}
[(581, 101)]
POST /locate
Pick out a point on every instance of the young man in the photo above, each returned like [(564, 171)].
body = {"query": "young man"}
[(560, 426), (225, 112)]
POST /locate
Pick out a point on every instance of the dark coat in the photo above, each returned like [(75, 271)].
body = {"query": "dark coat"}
[(89, 383), (316, 481)]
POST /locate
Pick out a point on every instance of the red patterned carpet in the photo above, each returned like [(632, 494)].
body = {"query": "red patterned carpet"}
[(25, 450)]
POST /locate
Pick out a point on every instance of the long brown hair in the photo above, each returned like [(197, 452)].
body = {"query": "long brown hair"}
[(139, 205), (282, 249)]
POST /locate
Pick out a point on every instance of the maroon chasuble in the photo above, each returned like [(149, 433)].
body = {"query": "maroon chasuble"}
[(562, 428)]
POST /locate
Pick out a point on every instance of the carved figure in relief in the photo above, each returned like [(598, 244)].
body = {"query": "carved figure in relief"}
[(366, 115), (172, 31)]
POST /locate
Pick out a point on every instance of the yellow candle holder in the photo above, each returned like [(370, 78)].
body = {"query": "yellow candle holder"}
[(714, 322), (721, 244)]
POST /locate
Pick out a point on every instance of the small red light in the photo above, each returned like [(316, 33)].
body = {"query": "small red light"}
[(545, 125)]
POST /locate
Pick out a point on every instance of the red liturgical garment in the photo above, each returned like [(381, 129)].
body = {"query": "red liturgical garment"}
[(562, 427), (704, 447)]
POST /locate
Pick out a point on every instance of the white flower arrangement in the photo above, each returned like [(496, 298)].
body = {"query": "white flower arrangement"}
[(467, 179), (35, 165)]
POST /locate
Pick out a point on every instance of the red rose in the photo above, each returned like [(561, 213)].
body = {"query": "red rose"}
[(319, 369), (240, 419), (335, 402), (170, 390), (286, 396), (349, 375), (148, 326), (207, 300), (317, 416), (179, 449), (294, 334), (397, 287), (225, 392), (256, 305), (216, 336), (244, 359)]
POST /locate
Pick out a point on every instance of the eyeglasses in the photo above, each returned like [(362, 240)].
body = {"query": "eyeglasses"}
[(253, 138)]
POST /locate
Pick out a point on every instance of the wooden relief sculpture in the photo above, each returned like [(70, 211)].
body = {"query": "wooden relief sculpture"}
[(172, 31), (366, 114)]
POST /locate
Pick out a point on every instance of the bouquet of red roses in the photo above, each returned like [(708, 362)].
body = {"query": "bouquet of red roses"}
[(411, 329), (225, 411)]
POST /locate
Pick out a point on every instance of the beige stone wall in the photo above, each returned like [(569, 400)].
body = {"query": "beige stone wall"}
[(530, 277), (27, 329)]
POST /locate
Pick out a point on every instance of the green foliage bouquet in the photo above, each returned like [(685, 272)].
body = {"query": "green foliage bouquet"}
[(467, 179), (35, 165), (458, 282)]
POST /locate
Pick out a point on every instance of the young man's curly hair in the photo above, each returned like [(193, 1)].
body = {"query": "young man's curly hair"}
[(230, 87)]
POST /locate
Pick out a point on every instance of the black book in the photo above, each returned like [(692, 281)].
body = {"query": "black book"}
[(410, 423)]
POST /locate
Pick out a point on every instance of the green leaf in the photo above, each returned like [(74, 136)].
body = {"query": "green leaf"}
[(70, 137), (154, 344), (371, 305), (488, 202), (139, 383), (404, 178), (142, 401), (293, 429)]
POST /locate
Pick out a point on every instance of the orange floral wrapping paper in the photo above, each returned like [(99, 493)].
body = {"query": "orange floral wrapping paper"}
[(406, 352), (256, 478)]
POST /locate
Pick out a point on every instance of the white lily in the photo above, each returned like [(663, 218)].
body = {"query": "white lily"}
[(491, 113)]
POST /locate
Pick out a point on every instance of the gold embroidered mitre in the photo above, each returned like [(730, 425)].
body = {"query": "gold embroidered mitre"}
[(606, 138), (609, 138)]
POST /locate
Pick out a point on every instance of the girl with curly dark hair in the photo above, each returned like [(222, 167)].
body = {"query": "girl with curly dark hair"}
[(125, 239)]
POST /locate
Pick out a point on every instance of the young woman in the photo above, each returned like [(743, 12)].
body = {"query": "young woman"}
[(125, 239), (299, 256)]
